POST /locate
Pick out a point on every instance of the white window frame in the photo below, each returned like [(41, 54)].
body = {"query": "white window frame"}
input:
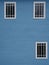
[(5, 11), (46, 51), (44, 10)]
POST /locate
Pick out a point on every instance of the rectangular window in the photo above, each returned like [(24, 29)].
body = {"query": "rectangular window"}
[(41, 50), (10, 10), (39, 10)]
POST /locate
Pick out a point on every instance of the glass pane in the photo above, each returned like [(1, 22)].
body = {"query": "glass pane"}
[(39, 10), (36, 11), (10, 10), (38, 50), (13, 10)]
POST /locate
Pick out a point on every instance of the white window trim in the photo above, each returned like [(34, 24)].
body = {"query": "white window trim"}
[(46, 51), (5, 11), (44, 10)]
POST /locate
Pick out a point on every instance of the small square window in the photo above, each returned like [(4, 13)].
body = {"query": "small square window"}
[(10, 10), (39, 10), (41, 50)]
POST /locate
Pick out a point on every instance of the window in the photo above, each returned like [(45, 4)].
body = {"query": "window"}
[(10, 10), (39, 10), (41, 50)]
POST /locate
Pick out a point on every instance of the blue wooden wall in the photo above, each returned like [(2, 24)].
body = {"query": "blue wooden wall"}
[(18, 37)]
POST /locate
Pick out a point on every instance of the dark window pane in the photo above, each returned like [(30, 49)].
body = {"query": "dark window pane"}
[(42, 10), (39, 10), (10, 10), (39, 50), (13, 10), (44, 49), (6, 10), (36, 11)]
